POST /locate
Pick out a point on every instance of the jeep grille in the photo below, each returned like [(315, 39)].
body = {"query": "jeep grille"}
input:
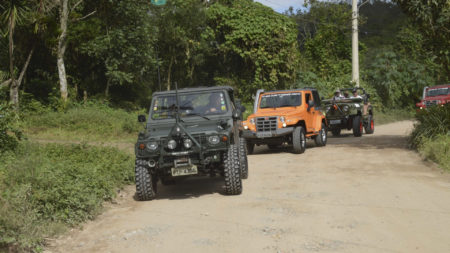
[(431, 102), (264, 124)]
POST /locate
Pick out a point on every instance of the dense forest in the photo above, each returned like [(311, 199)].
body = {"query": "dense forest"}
[(58, 51)]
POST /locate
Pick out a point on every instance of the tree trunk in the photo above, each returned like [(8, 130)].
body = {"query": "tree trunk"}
[(169, 72), (108, 84), (14, 91), (62, 41)]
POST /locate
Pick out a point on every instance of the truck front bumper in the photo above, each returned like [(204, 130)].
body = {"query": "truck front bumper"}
[(280, 132)]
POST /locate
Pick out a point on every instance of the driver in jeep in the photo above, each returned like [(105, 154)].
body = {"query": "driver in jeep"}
[(215, 104)]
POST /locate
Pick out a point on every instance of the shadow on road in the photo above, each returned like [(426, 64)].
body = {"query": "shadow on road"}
[(370, 141), (193, 187)]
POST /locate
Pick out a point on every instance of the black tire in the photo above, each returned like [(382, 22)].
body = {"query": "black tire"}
[(321, 138), (243, 158), (299, 140), (145, 181), (336, 131), (232, 172), (250, 148), (370, 126), (357, 126)]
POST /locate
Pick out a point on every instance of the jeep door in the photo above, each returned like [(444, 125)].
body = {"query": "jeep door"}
[(314, 115)]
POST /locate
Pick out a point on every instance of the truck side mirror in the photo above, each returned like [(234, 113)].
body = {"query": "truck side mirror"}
[(141, 118)]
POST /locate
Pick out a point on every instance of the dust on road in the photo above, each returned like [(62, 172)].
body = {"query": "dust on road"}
[(368, 194)]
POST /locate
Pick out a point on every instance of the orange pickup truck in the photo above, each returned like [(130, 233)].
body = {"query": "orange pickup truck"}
[(285, 117)]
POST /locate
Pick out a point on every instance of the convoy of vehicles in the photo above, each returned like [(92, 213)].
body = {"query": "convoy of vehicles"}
[(286, 117), (435, 95), (351, 113), (191, 132)]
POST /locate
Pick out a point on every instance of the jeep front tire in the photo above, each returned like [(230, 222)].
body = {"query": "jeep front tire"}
[(232, 171), (299, 140), (243, 158), (145, 182)]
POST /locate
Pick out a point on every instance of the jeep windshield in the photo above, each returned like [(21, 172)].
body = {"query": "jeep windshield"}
[(438, 92), (190, 105), (276, 100)]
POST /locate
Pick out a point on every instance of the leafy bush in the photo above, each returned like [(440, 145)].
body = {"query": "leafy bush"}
[(44, 188), (431, 123), (91, 120), (9, 135)]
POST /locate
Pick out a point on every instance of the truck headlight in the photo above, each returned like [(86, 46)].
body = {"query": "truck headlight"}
[(172, 144), (187, 143), (214, 139), (153, 145)]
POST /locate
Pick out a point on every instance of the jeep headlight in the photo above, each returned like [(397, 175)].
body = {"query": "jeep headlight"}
[(214, 139), (252, 121), (187, 143), (345, 108), (282, 119), (172, 144), (153, 145)]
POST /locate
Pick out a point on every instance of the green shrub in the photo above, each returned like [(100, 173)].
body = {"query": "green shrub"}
[(9, 135), (44, 188), (437, 149), (431, 123)]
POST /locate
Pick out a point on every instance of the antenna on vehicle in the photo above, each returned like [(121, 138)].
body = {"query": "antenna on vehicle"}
[(177, 115)]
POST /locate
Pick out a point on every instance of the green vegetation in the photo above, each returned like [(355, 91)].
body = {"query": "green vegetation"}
[(45, 188), (431, 134), (91, 121), (9, 135), (388, 116)]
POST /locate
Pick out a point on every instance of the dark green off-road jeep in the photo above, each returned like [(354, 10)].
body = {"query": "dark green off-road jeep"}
[(191, 132), (353, 112)]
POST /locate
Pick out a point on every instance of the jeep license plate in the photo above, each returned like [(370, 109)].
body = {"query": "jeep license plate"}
[(335, 121), (263, 134), (185, 170)]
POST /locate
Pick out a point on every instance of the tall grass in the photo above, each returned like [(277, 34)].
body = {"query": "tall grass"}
[(90, 121), (46, 188)]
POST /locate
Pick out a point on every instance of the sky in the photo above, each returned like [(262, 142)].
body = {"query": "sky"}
[(281, 5)]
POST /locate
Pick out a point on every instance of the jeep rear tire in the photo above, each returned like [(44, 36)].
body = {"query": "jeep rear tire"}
[(357, 126), (336, 131), (370, 126), (299, 140), (243, 158), (232, 172), (145, 181), (321, 138)]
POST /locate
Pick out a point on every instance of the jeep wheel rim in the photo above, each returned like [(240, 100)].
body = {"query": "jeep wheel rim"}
[(302, 140), (324, 135)]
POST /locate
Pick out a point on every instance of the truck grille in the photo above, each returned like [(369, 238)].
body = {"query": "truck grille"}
[(431, 102), (264, 124)]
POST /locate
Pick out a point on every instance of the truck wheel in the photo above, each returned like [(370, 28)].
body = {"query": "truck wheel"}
[(370, 126), (357, 126), (243, 158), (233, 182), (145, 181), (250, 148), (299, 140), (336, 131), (321, 138)]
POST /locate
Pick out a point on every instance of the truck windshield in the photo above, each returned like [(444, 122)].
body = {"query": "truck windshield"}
[(280, 100), (195, 104), (437, 92)]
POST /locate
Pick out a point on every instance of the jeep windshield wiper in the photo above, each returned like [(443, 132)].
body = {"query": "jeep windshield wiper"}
[(196, 114)]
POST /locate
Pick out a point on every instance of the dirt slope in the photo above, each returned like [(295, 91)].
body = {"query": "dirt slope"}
[(367, 194)]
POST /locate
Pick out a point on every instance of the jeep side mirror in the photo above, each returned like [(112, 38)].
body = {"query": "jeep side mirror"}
[(141, 118), (236, 114), (310, 104)]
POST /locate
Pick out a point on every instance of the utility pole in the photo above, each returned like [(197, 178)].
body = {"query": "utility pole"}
[(355, 49)]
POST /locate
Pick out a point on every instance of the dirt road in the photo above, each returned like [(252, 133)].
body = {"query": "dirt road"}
[(367, 194)]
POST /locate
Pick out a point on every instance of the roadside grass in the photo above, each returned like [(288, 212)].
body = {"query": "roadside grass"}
[(44, 189), (431, 135), (83, 122), (392, 115)]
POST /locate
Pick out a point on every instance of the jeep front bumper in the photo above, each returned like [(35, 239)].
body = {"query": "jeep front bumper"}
[(280, 132)]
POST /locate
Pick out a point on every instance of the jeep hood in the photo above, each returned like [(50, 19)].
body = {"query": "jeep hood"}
[(280, 111), (193, 127)]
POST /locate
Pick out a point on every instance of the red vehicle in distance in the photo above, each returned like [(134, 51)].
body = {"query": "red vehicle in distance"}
[(435, 95)]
